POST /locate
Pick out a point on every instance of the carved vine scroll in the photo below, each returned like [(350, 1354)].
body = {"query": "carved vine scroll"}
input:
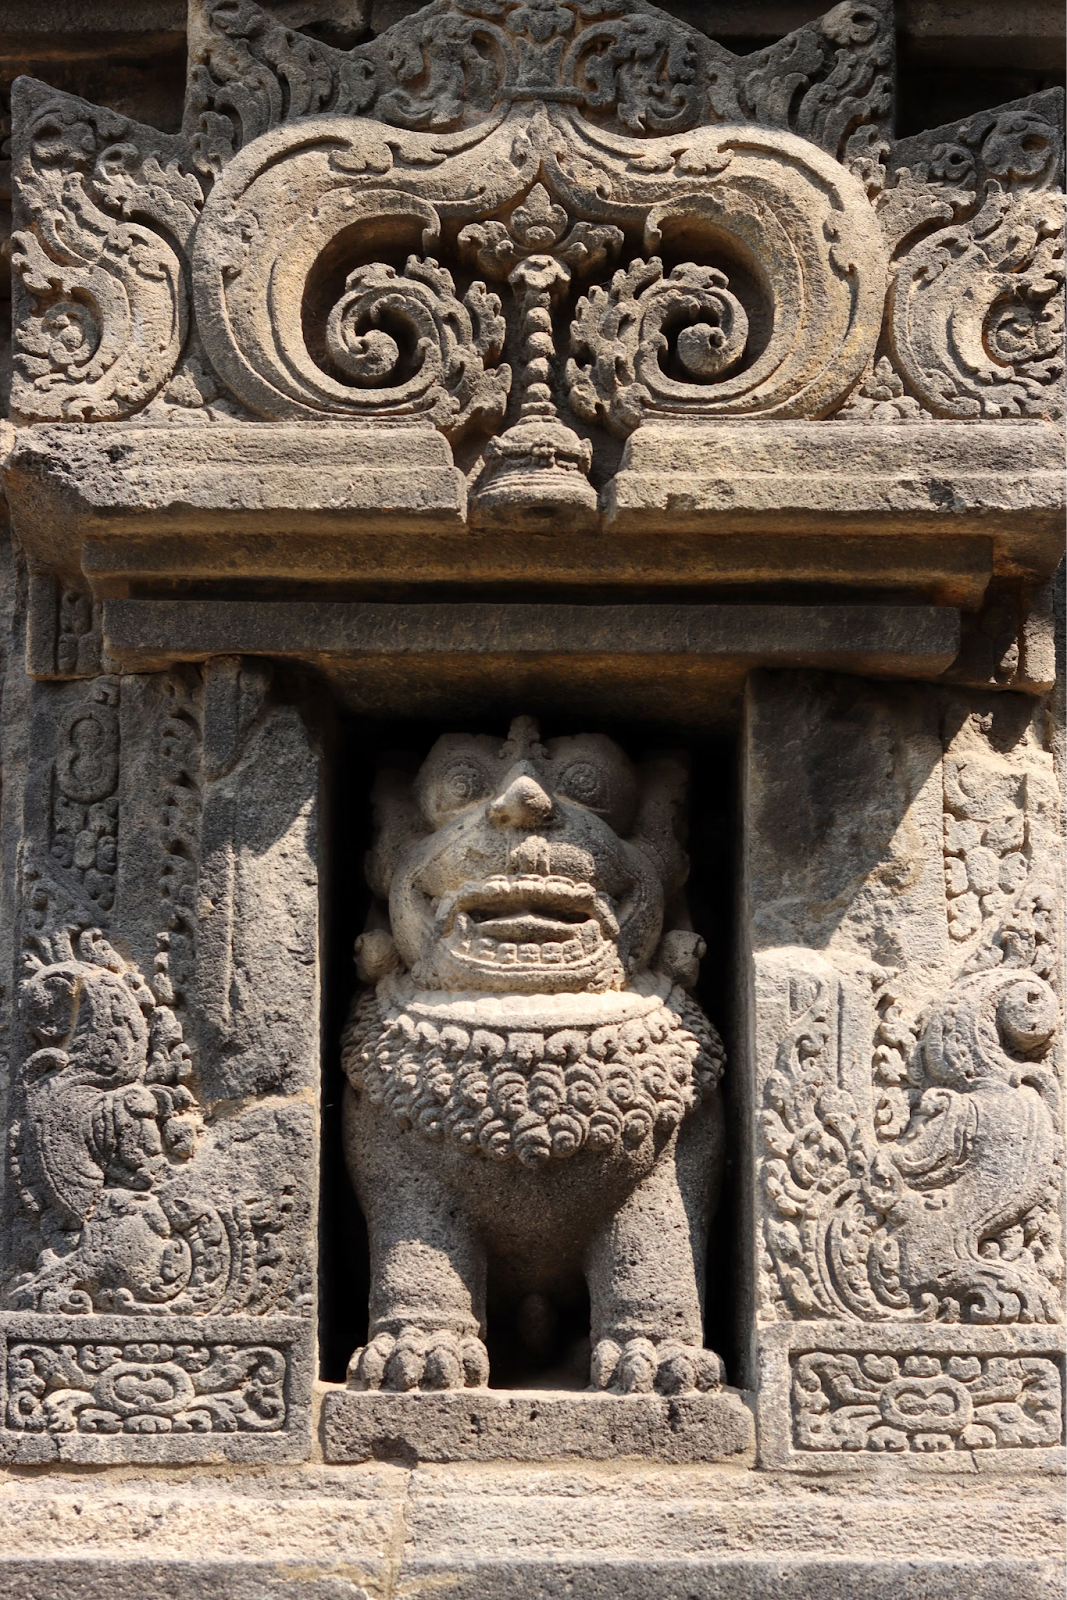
[(676, 233)]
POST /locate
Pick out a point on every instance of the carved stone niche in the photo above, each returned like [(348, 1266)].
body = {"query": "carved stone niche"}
[(549, 264), (532, 1090), (905, 1101), (159, 1200)]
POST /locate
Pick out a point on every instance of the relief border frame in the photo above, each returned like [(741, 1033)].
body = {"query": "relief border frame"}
[(291, 1442), (776, 1343)]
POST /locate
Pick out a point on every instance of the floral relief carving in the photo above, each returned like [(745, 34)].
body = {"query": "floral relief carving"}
[(941, 1202), (975, 313), (626, 331), (99, 270), (144, 1387), (924, 1403), (596, 135)]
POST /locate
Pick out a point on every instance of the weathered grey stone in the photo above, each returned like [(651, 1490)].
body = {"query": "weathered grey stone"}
[(596, 1529), (139, 505), (999, 480), (902, 914), (530, 1089), (770, 178), (159, 1250), (685, 661), (540, 304), (103, 1390), (69, 483), (490, 1425)]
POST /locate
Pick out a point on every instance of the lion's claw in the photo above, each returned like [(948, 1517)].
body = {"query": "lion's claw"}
[(414, 1359), (641, 1367)]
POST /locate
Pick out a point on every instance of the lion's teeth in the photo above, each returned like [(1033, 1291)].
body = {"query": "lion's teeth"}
[(571, 951), (530, 952), (507, 952), (484, 947), (552, 953), (589, 934)]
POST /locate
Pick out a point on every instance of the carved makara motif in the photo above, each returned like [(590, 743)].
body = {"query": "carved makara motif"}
[(934, 1192), (529, 1081), (140, 1209)]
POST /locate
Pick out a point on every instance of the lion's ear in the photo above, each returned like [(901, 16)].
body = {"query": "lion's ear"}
[(398, 823), (662, 815)]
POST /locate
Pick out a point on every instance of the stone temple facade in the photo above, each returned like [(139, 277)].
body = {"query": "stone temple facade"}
[(531, 948)]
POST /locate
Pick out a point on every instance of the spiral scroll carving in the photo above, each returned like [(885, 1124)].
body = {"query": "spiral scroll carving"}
[(644, 325), (429, 360), (101, 301), (393, 344)]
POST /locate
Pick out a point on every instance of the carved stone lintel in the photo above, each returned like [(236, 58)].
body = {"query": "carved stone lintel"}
[(301, 251)]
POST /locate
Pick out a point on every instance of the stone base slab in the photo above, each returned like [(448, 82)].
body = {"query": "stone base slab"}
[(577, 1531), (537, 1425)]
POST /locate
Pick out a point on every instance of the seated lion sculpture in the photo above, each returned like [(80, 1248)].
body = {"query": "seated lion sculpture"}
[(529, 1084)]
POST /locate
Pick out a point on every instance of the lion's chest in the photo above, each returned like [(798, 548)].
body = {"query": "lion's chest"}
[(615, 1072)]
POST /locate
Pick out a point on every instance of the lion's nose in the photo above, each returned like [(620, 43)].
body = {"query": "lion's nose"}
[(523, 804)]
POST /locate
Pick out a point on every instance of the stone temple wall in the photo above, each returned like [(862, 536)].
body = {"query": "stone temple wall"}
[(531, 953)]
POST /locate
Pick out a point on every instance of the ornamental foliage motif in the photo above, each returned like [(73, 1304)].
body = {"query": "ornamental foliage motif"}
[(677, 233)]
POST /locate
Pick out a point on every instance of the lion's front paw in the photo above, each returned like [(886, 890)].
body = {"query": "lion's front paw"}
[(641, 1367), (413, 1359)]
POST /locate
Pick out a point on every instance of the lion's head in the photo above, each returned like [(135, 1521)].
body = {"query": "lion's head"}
[(523, 867)]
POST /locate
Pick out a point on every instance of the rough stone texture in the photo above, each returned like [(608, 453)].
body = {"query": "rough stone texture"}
[(686, 660), (158, 1242), (530, 1089), (1000, 482), (538, 1426), (902, 906), (528, 308), (598, 1530), (678, 236)]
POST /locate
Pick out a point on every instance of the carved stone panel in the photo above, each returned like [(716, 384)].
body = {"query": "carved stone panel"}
[(905, 1110), (532, 226), (159, 1267)]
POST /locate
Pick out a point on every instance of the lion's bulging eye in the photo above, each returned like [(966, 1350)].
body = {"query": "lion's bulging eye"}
[(462, 783), (584, 782)]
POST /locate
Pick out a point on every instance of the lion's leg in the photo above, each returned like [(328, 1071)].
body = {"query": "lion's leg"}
[(427, 1296), (646, 1269)]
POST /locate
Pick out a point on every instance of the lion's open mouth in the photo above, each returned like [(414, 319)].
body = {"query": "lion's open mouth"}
[(527, 921)]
